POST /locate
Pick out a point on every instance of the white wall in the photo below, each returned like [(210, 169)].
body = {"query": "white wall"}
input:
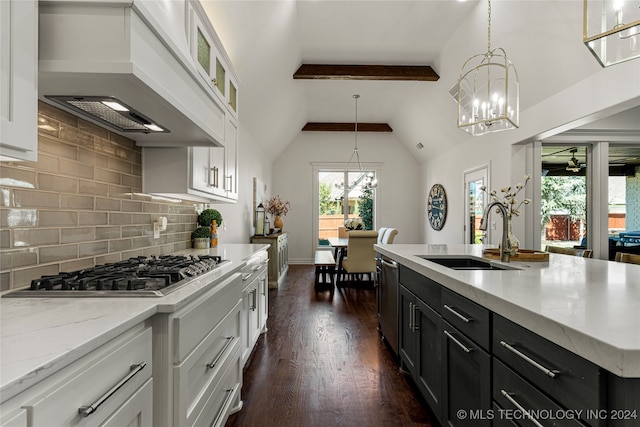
[(397, 199)]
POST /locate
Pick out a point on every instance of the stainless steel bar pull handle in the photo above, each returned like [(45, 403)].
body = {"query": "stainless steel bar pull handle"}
[(458, 315), (225, 405), (455, 340), (254, 299), (416, 327), (246, 276), (525, 412), (411, 315), (393, 265), (85, 411), (548, 372), (219, 356)]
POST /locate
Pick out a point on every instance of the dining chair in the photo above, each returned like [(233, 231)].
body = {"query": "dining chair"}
[(381, 233), (389, 235), (361, 257), (585, 253), (627, 258)]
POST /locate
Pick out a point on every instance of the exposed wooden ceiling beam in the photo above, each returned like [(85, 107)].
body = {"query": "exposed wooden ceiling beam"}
[(366, 72), (347, 127)]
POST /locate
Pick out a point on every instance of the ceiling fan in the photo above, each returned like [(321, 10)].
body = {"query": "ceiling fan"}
[(573, 165)]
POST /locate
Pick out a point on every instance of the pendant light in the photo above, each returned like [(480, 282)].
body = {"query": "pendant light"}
[(369, 180), (612, 30), (488, 91)]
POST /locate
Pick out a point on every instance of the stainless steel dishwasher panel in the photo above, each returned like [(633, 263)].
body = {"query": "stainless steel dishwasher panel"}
[(387, 301)]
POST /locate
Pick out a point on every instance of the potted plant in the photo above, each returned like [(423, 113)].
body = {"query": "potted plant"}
[(208, 215), (201, 237)]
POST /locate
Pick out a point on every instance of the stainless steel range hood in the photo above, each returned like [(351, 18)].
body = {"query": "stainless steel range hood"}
[(121, 50)]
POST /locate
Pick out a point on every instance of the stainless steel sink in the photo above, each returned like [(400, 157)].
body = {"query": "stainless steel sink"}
[(465, 263)]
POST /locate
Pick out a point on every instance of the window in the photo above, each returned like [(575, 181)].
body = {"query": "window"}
[(587, 196), (564, 196), (336, 202)]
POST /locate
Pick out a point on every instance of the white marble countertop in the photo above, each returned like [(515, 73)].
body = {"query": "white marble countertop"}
[(39, 336), (590, 307)]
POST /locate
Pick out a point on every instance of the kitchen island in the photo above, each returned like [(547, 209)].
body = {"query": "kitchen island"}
[(584, 311), (43, 337)]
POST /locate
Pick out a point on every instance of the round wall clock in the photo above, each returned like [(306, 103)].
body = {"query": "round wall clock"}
[(437, 207)]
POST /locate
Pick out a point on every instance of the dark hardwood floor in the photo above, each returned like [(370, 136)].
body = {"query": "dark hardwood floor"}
[(322, 363)]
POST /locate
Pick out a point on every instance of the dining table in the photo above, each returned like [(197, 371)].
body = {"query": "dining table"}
[(339, 245), (338, 242)]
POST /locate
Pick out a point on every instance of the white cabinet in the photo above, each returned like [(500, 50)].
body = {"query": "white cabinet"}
[(18, 84), (278, 256), (210, 58), (17, 418), (231, 159), (111, 386), (191, 173), (255, 303), (208, 170), (197, 366)]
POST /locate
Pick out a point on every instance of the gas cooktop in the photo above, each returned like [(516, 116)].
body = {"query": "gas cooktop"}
[(140, 276)]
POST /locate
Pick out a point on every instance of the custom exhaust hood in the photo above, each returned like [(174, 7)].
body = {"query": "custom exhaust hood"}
[(121, 66)]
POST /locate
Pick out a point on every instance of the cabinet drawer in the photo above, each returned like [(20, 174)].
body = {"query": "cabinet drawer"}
[(136, 411), (223, 398), (204, 367), (499, 419), (194, 323), (568, 378), (103, 381), (470, 318), (17, 418), (424, 288), (519, 398)]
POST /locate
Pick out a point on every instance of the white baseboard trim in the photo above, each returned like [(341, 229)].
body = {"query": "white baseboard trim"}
[(301, 261)]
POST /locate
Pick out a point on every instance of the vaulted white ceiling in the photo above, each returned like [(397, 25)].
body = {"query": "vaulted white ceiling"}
[(268, 40)]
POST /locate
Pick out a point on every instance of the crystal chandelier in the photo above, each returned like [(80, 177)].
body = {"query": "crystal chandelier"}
[(612, 30), (488, 91), (367, 179)]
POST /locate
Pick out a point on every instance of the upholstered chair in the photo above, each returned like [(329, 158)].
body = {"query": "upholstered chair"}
[(389, 235), (585, 253), (381, 233), (361, 257)]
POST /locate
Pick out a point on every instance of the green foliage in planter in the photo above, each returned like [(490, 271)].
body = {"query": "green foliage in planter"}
[(201, 233), (208, 215)]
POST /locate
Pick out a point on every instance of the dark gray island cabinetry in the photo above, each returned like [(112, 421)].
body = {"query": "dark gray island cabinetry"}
[(452, 371), (488, 348)]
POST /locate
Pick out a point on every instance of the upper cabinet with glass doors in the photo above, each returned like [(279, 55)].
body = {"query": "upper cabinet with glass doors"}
[(211, 59)]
